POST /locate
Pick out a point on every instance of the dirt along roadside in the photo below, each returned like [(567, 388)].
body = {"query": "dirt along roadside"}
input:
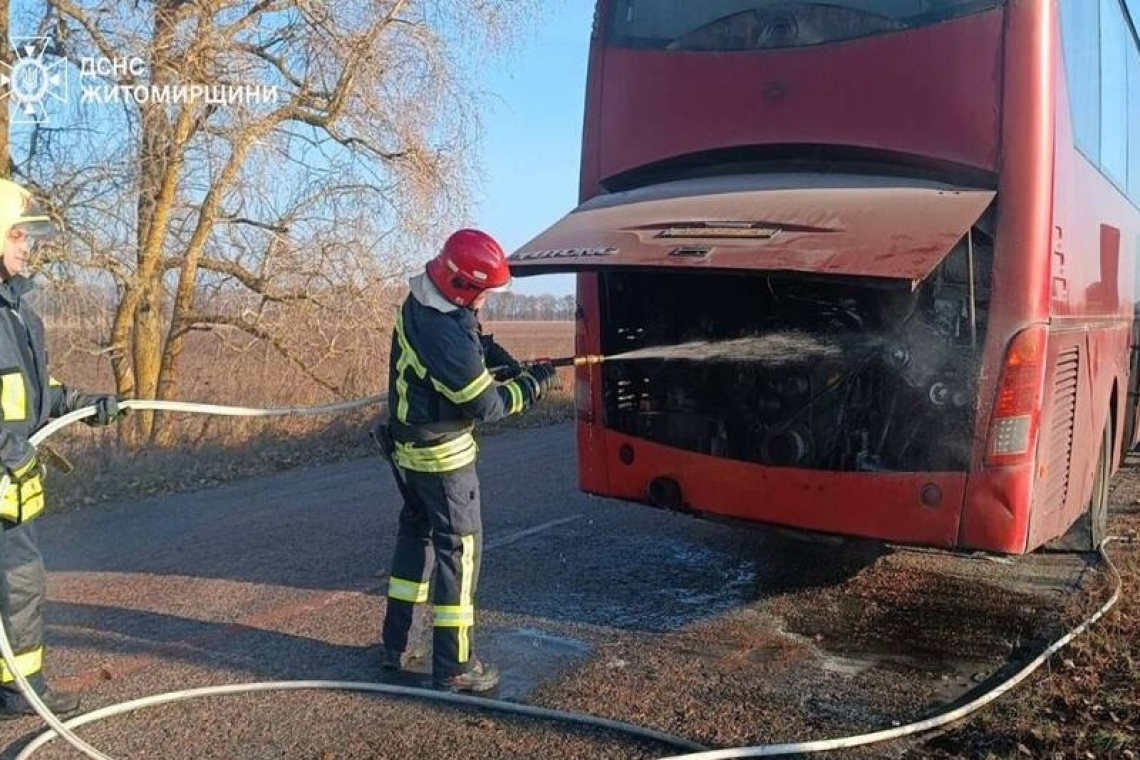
[(1085, 702)]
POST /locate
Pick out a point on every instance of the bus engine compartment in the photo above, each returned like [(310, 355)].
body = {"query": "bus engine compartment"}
[(792, 370)]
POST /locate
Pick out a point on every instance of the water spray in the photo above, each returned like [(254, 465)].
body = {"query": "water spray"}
[(771, 349)]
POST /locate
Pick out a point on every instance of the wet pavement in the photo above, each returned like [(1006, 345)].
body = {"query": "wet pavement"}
[(725, 636)]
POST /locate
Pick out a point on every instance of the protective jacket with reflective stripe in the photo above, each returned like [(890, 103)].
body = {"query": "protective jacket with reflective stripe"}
[(438, 386), (28, 396)]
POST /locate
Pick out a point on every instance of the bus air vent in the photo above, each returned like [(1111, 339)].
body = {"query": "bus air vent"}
[(1063, 414)]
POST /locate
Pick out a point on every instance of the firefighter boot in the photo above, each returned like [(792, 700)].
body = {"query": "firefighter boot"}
[(477, 678), (393, 659), (15, 705)]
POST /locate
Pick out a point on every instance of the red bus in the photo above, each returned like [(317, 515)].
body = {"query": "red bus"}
[(862, 267)]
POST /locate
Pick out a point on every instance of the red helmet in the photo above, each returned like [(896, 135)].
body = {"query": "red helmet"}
[(469, 263)]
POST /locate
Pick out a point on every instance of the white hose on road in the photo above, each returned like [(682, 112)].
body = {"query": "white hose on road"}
[(515, 708), (59, 728), (89, 411), (700, 752), (936, 721)]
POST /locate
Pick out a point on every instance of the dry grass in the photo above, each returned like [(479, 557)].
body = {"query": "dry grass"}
[(212, 450), (534, 340)]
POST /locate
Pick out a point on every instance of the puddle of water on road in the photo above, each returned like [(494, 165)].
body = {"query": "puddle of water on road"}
[(949, 677), (524, 656), (854, 663), (674, 583), (527, 656), (715, 582)]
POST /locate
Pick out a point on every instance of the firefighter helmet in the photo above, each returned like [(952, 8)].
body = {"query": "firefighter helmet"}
[(469, 263), (18, 209)]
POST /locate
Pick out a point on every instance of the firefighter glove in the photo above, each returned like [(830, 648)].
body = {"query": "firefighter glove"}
[(544, 375), (106, 411)]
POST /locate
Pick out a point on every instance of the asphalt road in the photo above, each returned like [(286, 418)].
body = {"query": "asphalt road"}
[(722, 635)]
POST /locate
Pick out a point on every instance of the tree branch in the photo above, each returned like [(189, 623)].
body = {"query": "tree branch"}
[(106, 49), (229, 320)]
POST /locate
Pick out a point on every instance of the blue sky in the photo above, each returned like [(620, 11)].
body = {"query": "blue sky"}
[(532, 138)]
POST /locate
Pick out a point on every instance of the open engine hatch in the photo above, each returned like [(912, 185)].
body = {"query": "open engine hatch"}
[(830, 224)]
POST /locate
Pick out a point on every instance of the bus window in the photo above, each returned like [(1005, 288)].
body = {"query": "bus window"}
[(1134, 125), (724, 25), (1080, 33), (1115, 45)]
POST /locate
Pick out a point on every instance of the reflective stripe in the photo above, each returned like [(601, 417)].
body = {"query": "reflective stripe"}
[(461, 616), (28, 664), (407, 591), (454, 616), (408, 358), (531, 384), (467, 563), (473, 389), (443, 457), (528, 378), (516, 397), (13, 396), (23, 501)]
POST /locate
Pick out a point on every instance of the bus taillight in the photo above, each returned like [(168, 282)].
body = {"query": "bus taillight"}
[(1017, 410)]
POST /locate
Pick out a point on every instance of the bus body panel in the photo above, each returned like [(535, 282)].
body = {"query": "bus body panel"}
[(1021, 262), (1094, 274), (889, 228), (833, 94), (593, 476), (881, 505), (1066, 244), (592, 114), (1066, 459), (1095, 242)]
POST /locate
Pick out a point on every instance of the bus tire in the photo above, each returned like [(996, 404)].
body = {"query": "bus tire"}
[(1091, 527), (1098, 502)]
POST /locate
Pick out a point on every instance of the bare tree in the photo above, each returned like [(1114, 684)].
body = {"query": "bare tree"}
[(263, 167), (515, 306)]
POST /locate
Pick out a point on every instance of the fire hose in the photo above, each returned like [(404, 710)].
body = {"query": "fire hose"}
[(694, 750)]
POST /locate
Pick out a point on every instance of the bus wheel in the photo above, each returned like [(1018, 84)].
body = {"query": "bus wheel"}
[(1098, 503)]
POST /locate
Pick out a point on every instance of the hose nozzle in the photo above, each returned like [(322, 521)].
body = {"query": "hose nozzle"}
[(578, 361)]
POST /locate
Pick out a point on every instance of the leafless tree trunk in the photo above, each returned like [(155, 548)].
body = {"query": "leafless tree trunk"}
[(282, 216)]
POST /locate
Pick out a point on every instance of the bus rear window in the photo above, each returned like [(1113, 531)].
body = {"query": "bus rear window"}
[(725, 25)]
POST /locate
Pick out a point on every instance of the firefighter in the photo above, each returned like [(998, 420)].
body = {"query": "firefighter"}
[(439, 386), (28, 398)]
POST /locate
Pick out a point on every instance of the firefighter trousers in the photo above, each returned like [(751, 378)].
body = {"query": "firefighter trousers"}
[(438, 547), (23, 588)]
